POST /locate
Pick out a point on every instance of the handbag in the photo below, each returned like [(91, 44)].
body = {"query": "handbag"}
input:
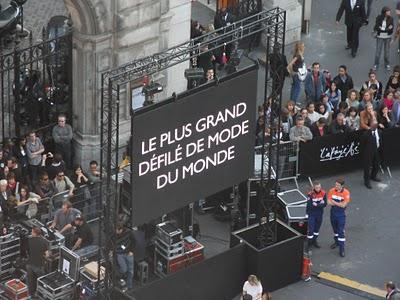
[(32, 210), (302, 72)]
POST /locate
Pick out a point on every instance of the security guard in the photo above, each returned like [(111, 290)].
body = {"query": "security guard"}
[(338, 198), (316, 202)]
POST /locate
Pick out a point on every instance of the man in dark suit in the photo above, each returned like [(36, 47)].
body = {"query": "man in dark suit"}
[(372, 154), (354, 18), (223, 18)]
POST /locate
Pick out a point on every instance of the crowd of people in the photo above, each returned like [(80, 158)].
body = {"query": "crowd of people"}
[(30, 173), (333, 105)]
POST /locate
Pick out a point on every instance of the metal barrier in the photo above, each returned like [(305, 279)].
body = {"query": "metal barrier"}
[(288, 160), (285, 169), (86, 198), (35, 84), (19, 212)]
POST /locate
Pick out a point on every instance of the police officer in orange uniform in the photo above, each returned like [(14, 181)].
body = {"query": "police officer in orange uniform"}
[(338, 198)]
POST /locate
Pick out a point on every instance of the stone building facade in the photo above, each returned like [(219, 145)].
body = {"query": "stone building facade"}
[(107, 34), (293, 17)]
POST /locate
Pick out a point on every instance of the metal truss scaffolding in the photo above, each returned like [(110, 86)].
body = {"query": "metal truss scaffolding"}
[(271, 23), (275, 71)]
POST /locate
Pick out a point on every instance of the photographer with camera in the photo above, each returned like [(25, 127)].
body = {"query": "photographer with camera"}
[(56, 166)]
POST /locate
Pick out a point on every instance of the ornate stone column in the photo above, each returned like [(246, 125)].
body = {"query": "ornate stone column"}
[(91, 57), (92, 54)]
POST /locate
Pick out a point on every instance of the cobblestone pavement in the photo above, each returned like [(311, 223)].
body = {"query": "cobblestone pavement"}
[(37, 13)]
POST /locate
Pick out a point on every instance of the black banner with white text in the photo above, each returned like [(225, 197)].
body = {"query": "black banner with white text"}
[(193, 147), (338, 153)]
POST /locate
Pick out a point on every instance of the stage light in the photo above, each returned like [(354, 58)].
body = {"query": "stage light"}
[(152, 89), (194, 73)]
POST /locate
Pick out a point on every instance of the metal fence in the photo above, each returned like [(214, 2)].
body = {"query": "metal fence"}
[(286, 167), (86, 198), (35, 84)]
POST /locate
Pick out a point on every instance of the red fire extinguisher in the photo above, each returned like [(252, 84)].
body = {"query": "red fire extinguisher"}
[(306, 273), (223, 58)]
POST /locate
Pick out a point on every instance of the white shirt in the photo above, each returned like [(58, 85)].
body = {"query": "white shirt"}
[(376, 135), (383, 27), (314, 117), (383, 35), (253, 290), (352, 3)]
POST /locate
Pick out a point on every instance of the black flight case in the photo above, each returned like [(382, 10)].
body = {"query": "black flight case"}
[(60, 285)]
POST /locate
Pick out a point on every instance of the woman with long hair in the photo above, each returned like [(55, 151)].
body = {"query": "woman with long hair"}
[(353, 119), (291, 107), (79, 178), (323, 112), (385, 119), (383, 29), (288, 115), (254, 288), (324, 99), (367, 117), (353, 99), (388, 99), (334, 95), (394, 80), (26, 196), (297, 69)]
